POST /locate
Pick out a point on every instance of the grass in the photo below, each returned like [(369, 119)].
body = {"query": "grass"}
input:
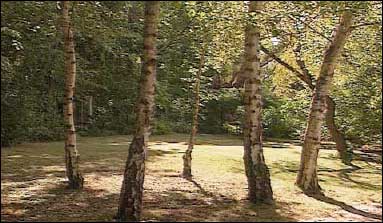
[(33, 183)]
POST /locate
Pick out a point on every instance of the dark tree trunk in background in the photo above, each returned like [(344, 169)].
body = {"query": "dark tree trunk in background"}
[(71, 154), (130, 204), (257, 172), (336, 135)]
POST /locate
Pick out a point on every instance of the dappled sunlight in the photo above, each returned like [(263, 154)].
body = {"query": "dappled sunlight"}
[(118, 144), (216, 192), (53, 168), (191, 111), (108, 184), (278, 145), (167, 146), (15, 156), (167, 143)]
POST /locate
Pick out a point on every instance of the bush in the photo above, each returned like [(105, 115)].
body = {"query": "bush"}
[(181, 127), (233, 128), (43, 133), (161, 127)]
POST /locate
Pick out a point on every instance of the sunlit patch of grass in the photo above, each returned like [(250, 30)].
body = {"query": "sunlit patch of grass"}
[(33, 182)]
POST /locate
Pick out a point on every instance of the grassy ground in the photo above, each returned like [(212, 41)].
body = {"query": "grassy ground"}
[(33, 183)]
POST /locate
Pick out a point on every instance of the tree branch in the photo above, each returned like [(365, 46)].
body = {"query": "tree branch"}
[(302, 65), (300, 75), (179, 34), (310, 27), (365, 24)]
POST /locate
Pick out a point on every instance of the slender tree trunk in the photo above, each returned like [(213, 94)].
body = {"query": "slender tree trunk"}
[(130, 204), (82, 114), (257, 172), (90, 106), (71, 154), (90, 110), (336, 135), (307, 176), (187, 157)]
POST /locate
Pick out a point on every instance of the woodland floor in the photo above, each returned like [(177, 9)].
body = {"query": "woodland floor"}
[(33, 183)]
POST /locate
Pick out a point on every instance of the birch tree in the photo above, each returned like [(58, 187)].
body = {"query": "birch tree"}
[(71, 154), (187, 157), (257, 172), (130, 203), (307, 176)]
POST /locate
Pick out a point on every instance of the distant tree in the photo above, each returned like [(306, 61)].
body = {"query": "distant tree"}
[(187, 157)]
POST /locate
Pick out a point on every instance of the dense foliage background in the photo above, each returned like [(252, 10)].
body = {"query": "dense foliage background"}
[(108, 38)]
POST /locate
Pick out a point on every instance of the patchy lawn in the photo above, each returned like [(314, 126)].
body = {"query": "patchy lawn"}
[(33, 183)]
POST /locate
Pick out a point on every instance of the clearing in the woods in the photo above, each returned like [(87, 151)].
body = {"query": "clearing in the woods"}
[(33, 184)]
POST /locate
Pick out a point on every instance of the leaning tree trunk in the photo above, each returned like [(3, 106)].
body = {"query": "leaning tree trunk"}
[(71, 154), (307, 176), (257, 172), (187, 157), (336, 135), (130, 204)]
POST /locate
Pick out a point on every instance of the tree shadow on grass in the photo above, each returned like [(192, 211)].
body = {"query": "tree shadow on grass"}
[(293, 167), (346, 207), (229, 209), (158, 152), (368, 157), (280, 145), (55, 202), (272, 213), (285, 166), (208, 193), (344, 174), (18, 168), (58, 203), (180, 207), (358, 155)]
